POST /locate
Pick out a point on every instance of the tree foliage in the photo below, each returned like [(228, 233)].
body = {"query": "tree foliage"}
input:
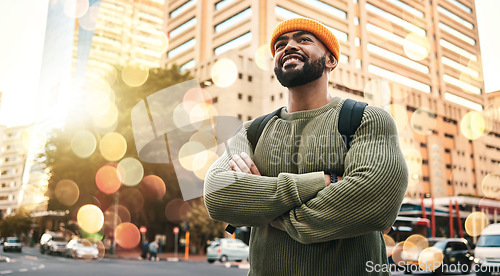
[(63, 163), (15, 225), (202, 227)]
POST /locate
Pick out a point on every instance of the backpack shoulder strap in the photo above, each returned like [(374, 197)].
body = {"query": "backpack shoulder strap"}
[(258, 125), (350, 117)]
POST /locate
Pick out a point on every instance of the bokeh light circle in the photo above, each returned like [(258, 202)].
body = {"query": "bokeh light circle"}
[(134, 74), (397, 254), (423, 121), (414, 245), (83, 143), (193, 156), (378, 92), (263, 57), (127, 235), (107, 179), (132, 199), (206, 138), (90, 218), (398, 112), (389, 243), (113, 146), (176, 210), (475, 223), (181, 117), (430, 259), (100, 248), (122, 211), (473, 125), (107, 119), (211, 157), (153, 187), (416, 47), (491, 185), (76, 8), (224, 72), (89, 20), (130, 171), (67, 192)]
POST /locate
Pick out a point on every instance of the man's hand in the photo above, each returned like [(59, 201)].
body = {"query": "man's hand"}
[(243, 163)]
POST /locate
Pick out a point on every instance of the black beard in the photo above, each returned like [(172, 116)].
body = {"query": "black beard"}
[(311, 71)]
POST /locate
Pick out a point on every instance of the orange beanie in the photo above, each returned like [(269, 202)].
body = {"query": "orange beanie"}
[(303, 24)]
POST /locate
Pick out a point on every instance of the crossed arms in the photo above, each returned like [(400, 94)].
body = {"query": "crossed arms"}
[(304, 205)]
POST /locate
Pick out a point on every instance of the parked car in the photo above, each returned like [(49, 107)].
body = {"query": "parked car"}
[(52, 242), (81, 248), (226, 250), (12, 244), (457, 254), (487, 251)]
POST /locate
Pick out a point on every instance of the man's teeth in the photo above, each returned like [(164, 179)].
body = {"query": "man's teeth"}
[(290, 60)]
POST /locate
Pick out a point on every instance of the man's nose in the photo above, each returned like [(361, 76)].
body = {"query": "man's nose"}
[(291, 45)]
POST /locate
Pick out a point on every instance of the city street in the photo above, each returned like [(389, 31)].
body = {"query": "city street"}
[(31, 262)]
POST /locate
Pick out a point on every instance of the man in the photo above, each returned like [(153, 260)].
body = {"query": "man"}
[(302, 224)]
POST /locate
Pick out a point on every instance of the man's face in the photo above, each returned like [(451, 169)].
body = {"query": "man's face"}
[(299, 58)]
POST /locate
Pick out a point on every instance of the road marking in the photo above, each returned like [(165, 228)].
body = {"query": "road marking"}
[(31, 257), (41, 266), (5, 271), (23, 270)]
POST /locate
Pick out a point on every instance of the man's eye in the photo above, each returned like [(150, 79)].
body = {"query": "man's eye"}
[(304, 39), (279, 45)]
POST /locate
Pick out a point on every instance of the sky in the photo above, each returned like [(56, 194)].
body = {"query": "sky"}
[(22, 30)]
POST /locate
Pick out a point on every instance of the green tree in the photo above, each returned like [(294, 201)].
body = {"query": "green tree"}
[(202, 227), (15, 225), (64, 164)]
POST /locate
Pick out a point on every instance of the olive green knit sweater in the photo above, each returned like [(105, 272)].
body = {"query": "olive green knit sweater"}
[(300, 226)]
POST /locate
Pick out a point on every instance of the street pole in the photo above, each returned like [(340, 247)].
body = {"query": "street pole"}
[(176, 243), (115, 221)]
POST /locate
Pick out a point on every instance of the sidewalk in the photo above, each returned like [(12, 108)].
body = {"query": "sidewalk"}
[(135, 254)]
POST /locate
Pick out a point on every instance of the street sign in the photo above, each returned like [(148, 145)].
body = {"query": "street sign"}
[(143, 229), (176, 230)]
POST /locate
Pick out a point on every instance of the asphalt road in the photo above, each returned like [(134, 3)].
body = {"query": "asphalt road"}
[(31, 263)]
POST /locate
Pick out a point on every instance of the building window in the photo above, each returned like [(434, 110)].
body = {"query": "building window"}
[(240, 76), (214, 100), (182, 8), (272, 98), (250, 78), (240, 116), (249, 98), (249, 118), (230, 22), (187, 65), (181, 48), (425, 162), (245, 38), (281, 95), (222, 4), (240, 96), (423, 145), (425, 178), (449, 136), (183, 27)]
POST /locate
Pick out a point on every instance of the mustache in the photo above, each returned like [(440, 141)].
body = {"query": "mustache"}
[(303, 57)]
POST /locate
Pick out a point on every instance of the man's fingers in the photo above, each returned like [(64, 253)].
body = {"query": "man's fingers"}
[(250, 163), (241, 164), (233, 166)]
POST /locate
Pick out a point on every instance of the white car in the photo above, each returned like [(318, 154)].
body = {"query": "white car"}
[(81, 248), (226, 250), (12, 244)]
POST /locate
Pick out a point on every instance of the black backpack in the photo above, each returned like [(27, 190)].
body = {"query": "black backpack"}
[(350, 117)]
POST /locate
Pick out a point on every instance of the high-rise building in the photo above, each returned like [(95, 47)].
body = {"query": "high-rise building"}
[(420, 60), (12, 161)]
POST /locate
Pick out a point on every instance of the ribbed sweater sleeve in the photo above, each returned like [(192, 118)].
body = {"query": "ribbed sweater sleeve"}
[(368, 197), (250, 200)]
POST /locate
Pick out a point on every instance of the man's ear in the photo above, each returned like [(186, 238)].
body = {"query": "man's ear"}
[(331, 62)]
